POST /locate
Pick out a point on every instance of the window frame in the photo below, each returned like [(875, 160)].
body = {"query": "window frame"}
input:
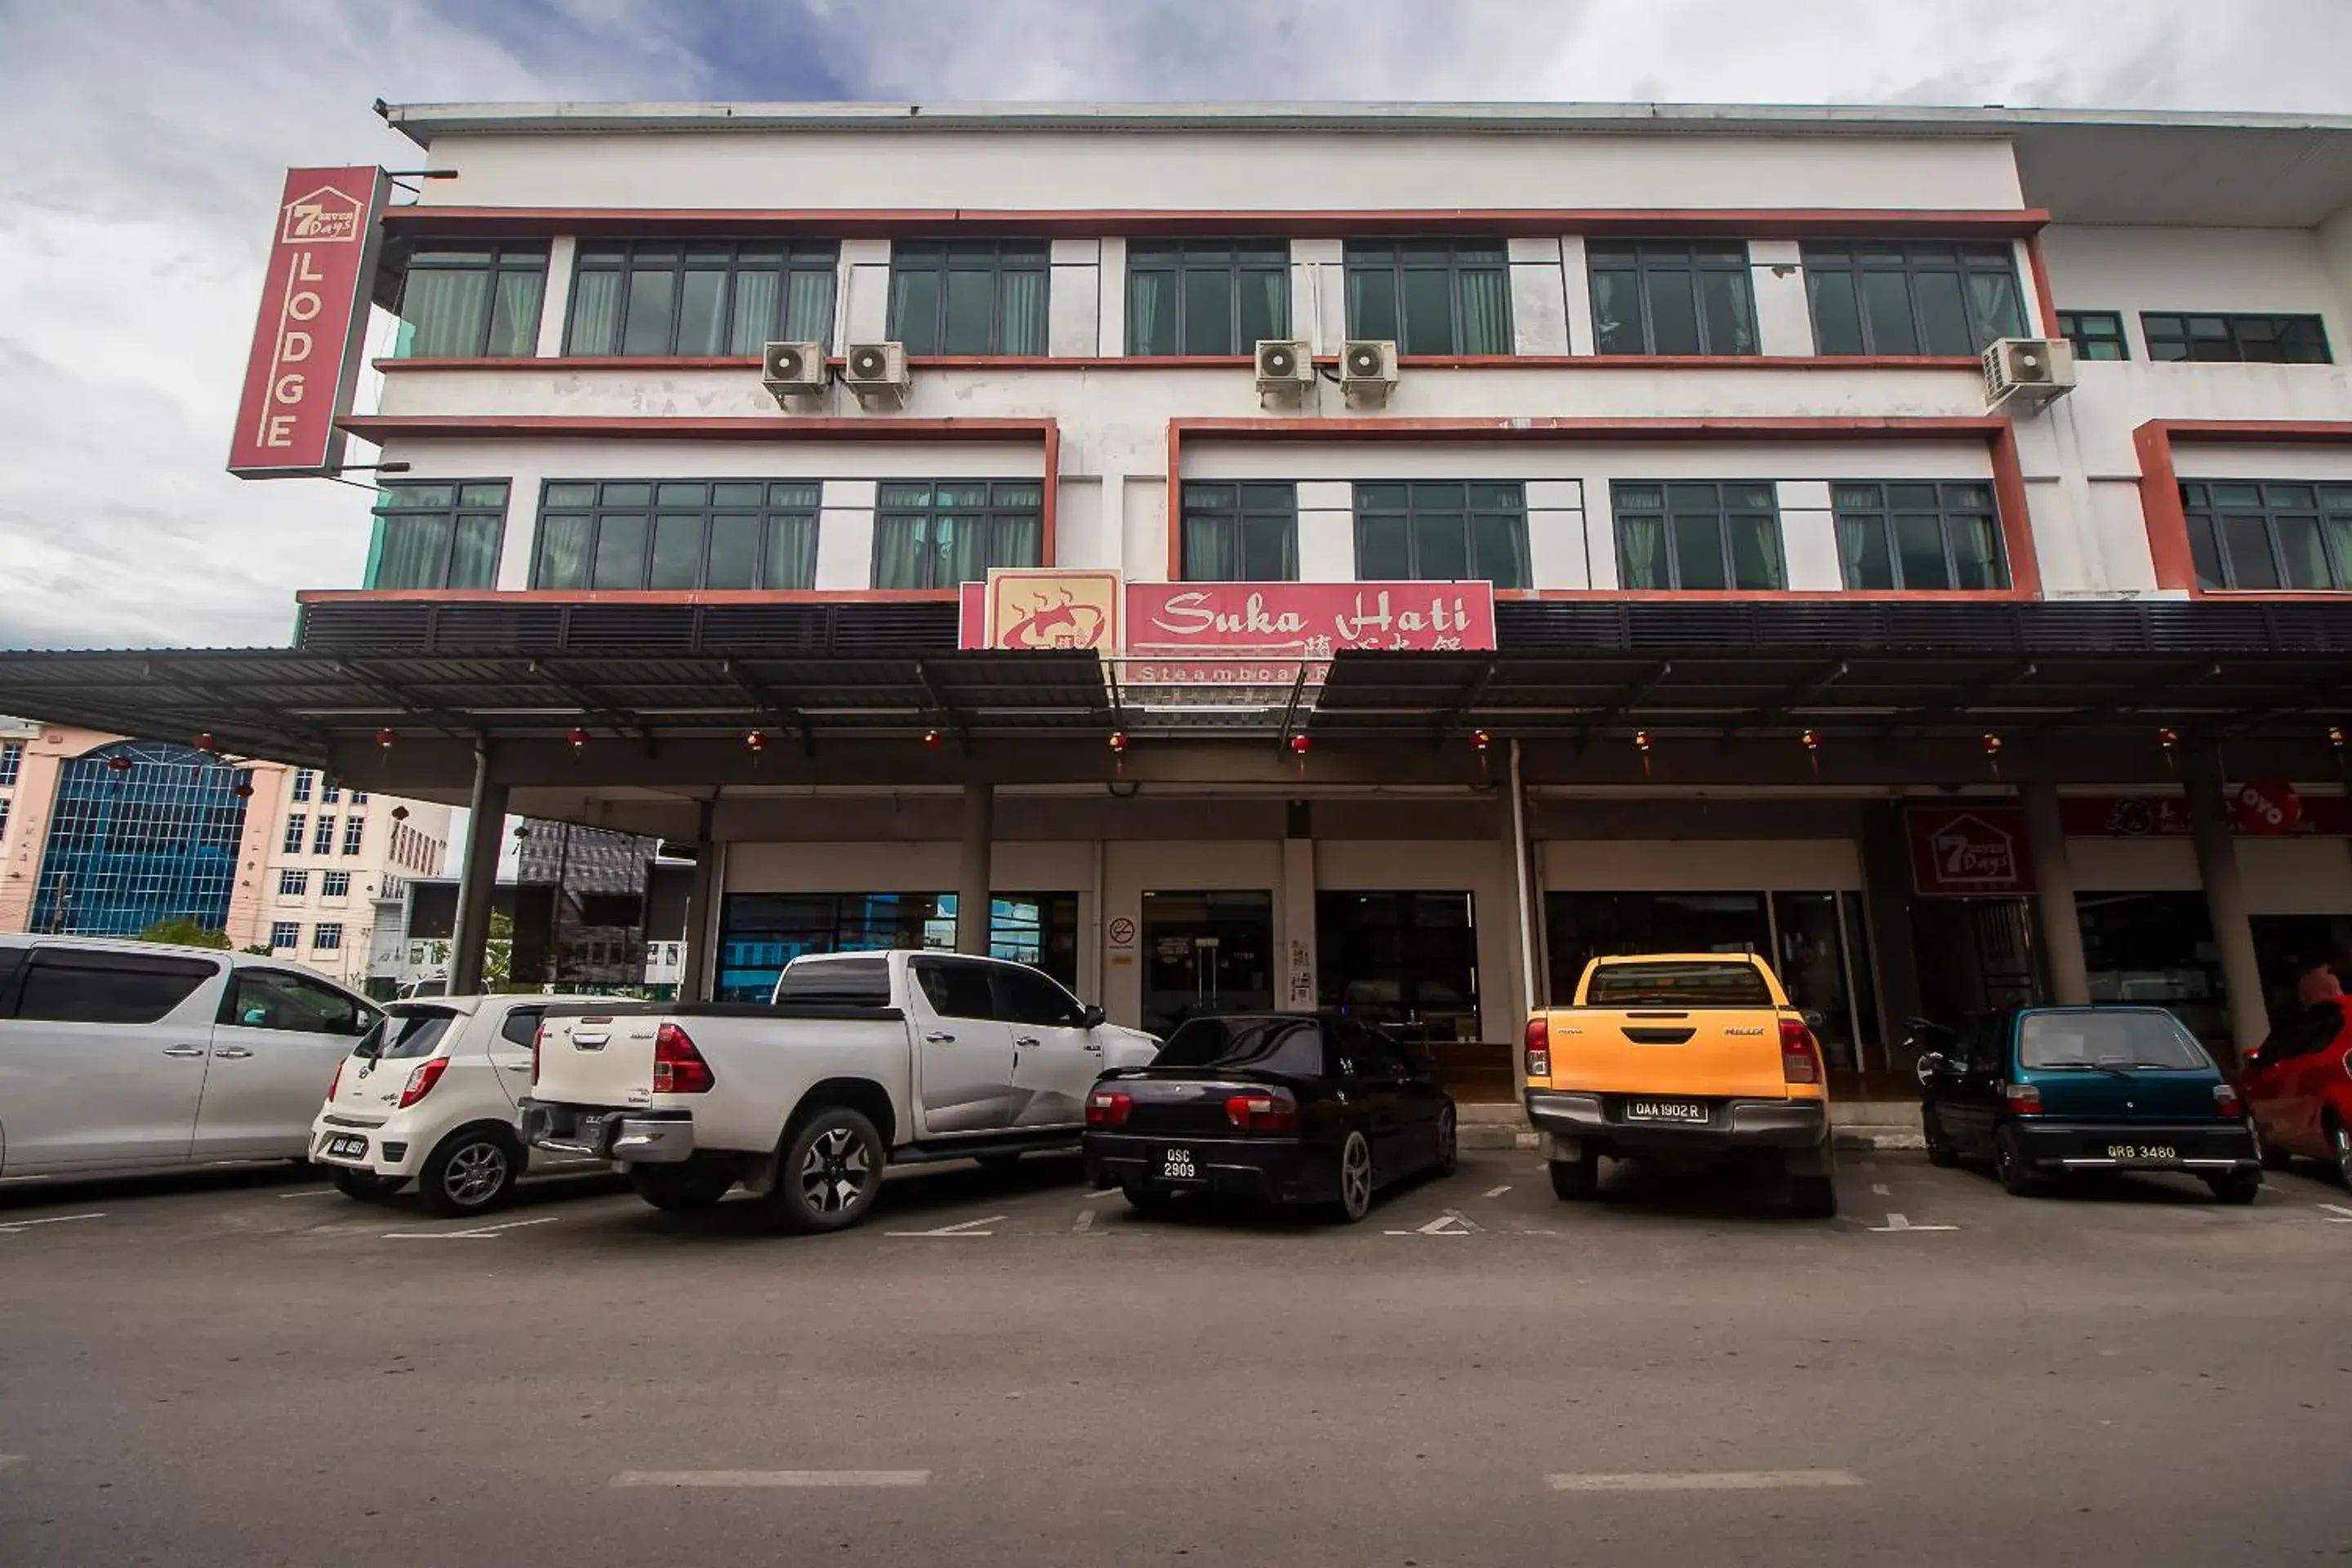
[(2233, 323), (766, 515), (322, 835), (12, 761), (292, 930), (457, 514), (1947, 510), (499, 258), (303, 779), (354, 833), (1651, 257), (2205, 522), (1006, 257), (1851, 260), (1231, 504), (327, 884), (2070, 327), (298, 828), (628, 257), (1418, 508), (327, 936), (1178, 260), (1358, 260), (993, 514), (293, 882), (1723, 513)]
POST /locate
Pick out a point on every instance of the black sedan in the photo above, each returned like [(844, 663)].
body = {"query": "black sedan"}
[(1280, 1107)]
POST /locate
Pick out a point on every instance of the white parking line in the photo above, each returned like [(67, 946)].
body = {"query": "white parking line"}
[(1085, 1222), (1496, 1192), (1896, 1222), (1451, 1223), (313, 1192), (1882, 1190), (772, 1478), (10, 1228), (9, 1459), (482, 1230), (1704, 1481), (968, 1227), (2337, 1214)]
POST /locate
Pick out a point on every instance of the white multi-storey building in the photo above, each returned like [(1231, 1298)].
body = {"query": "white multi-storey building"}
[(339, 864), (1759, 607)]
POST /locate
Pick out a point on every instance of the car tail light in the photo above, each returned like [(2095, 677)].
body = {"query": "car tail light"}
[(678, 1068), (1538, 1047), (1108, 1108), (2225, 1103), (1800, 1054), (1263, 1111), (2023, 1098), (335, 1082), (420, 1082)]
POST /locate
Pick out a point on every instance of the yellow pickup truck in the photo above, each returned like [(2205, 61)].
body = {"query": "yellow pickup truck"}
[(1683, 1057)]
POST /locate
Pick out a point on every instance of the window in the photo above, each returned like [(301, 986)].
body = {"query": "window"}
[(1698, 535), (12, 761), (293, 884), (691, 533), (761, 933), (461, 300), (1241, 533), (2251, 339), (285, 936), (937, 535), (294, 825), (2257, 534), (303, 778), (2096, 334), (4, 818), (359, 797), (330, 794), (956, 989), (521, 1026), (334, 884), (1924, 535), (1206, 296), (1441, 533), (838, 983), (322, 837), (63, 985), (1912, 298), (273, 999), (1678, 984), (1432, 296), (354, 833), (443, 535), (1291, 1047), (1667, 297), (659, 297), (1025, 997), (327, 937), (2120, 1037), (969, 297)]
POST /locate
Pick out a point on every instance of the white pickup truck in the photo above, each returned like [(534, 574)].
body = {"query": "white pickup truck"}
[(859, 1061)]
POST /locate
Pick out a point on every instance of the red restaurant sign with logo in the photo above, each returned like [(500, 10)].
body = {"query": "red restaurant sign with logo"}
[(305, 359), (1968, 851)]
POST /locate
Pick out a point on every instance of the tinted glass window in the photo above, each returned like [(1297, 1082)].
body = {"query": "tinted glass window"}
[(840, 982), (272, 999), (1025, 997), (11, 960), (521, 1026), (2139, 1038), (956, 990), (1291, 1045), (68, 987), (408, 1034), (1695, 984)]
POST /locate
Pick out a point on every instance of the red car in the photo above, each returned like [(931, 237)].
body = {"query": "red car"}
[(2298, 1087)]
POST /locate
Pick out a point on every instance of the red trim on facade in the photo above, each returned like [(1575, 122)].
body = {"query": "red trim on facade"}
[(1681, 362), (2160, 491), (2045, 302), (1765, 223), (625, 596), (1225, 361)]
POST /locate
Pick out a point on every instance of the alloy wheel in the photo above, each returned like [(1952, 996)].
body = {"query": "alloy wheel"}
[(1447, 1137), (2344, 1155), (1356, 1176), (476, 1173), (833, 1173)]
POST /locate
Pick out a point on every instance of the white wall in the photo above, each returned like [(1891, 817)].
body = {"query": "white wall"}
[(2283, 876), (1699, 866)]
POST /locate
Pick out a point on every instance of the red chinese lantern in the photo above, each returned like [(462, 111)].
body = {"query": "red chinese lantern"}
[(204, 742), (578, 739), (930, 737), (385, 738), (757, 742)]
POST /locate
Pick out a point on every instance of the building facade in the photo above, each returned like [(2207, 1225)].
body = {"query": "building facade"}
[(337, 868)]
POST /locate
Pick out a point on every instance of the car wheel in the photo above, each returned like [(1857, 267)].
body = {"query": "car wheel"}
[(1577, 1181), (471, 1172), (1148, 1201), (2275, 1157), (2017, 1178), (1813, 1197), (682, 1189), (1449, 1142), (1940, 1152), (2340, 1137), (832, 1167), (1355, 1177), (366, 1186), (2237, 1187)]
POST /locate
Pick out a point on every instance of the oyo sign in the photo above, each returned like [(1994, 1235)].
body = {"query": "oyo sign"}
[(1968, 851), (304, 362), (2265, 806)]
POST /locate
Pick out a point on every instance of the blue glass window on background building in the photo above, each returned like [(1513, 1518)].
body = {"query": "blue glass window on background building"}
[(130, 846)]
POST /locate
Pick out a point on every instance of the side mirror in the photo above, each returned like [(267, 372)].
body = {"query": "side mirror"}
[(1092, 1017)]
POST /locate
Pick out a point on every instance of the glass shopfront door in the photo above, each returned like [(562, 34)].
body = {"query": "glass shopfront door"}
[(1408, 961), (1205, 953)]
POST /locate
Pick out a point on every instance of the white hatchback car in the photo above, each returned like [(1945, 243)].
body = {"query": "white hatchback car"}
[(430, 1096)]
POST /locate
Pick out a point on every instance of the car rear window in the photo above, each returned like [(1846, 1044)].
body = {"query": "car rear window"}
[(68, 985), (837, 982), (406, 1032), (1289, 1045), (1679, 984), (2139, 1038)]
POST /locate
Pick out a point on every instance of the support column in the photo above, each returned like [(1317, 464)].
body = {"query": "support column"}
[(1528, 988), (2061, 923), (2225, 900), (1894, 948), (1295, 971), (485, 838), (972, 881), (700, 975)]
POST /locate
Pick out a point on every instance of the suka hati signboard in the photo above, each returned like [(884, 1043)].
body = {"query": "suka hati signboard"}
[(305, 359)]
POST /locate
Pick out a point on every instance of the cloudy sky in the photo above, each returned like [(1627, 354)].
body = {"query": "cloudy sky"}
[(146, 140)]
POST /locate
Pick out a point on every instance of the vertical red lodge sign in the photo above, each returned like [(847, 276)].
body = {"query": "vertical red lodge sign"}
[(306, 347)]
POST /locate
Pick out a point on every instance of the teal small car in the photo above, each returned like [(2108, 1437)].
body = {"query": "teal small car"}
[(2041, 1092)]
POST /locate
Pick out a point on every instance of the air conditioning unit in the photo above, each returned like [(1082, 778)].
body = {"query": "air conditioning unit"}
[(1368, 370), (792, 369), (2031, 371), (1286, 370), (877, 374)]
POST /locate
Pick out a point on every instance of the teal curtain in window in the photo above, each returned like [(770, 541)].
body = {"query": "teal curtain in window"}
[(1021, 302), (808, 307), (414, 549), (753, 313), (474, 563), (1999, 310), (792, 553), (1150, 312), (1485, 312), (446, 305), (1020, 542), (596, 313), (901, 552), (514, 313), (1642, 551)]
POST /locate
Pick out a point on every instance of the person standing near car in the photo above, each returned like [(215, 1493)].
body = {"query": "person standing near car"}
[(2322, 982)]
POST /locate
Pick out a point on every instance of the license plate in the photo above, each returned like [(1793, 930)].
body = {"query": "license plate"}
[(1665, 1111), (345, 1146), (2143, 1153), (1176, 1165)]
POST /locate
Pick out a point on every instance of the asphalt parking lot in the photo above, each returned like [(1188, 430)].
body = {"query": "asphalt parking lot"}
[(249, 1368)]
